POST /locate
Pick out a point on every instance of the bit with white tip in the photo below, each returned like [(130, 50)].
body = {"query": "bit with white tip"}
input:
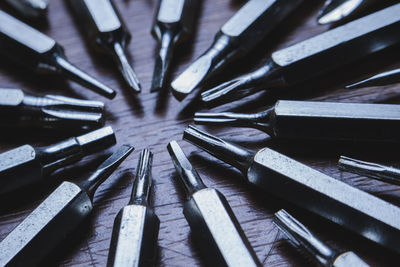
[(30, 8), (381, 79)]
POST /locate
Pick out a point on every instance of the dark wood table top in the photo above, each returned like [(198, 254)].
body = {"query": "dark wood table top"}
[(152, 120)]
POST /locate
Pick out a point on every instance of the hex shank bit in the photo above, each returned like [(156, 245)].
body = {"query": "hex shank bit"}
[(56, 217), (315, 56), (381, 79), (211, 219), (30, 8), (28, 47), (317, 121), (273, 172), (235, 39), (27, 165), (135, 231), (305, 239)]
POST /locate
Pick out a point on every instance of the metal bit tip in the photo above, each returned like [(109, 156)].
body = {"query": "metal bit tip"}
[(336, 10), (228, 91), (163, 61), (225, 118), (126, 69), (142, 184), (385, 78)]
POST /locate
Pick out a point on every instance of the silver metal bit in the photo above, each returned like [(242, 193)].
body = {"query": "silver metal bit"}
[(31, 48), (106, 31), (315, 56), (30, 8), (305, 239), (334, 200), (56, 217), (381, 79), (236, 38), (213, 224), (376, 171)]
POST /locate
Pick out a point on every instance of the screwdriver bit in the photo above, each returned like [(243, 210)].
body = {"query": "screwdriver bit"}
[(135, 231), (20, 109), (211, 219), (334, 200), (107, 33), (173, 23), (376, 171), (28, 47), (305, 239), (26, 165), (317, 121), (56, 217), (381, 79), (30, 8), (315, 56), (234, 40)]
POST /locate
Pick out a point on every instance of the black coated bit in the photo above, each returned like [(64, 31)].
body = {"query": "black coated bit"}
[(376, 171), (26, 165), (303, 238), (56, 217), (235, 39), (317, 121), (334, 200), (30, 8), (31, 48), (20, 109), (135, 231), (107, 32), (211, 219), (173, 23), (381, 79), (315, 56)]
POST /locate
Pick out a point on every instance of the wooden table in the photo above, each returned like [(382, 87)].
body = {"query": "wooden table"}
[(152, 120)]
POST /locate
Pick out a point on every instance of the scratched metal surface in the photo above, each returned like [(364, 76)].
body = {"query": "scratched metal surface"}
[(152, 121)]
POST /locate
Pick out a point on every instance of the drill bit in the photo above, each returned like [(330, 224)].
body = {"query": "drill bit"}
[(173, 23), (33, 164), (31, 48), (56, 217), (381, 79), (135, 231), (30, 8), (107, 33), (211, 219), (235, 39), (334, 200), (376, 171), (21, 109), (315, 56), (305, 239), (314, 120)]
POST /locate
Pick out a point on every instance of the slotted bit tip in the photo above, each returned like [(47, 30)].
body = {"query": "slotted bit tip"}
[(126, 69)]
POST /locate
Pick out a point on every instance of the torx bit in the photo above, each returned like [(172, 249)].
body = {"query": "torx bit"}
[(275, 173), (211, 219), (173, 23), (376, 171), (30, 8), (56, 217), (135, 231), (20, 109), (306, 240), (28, 47), (235, 39), (315, 56), (381, 79), (107, 32), (313, 120), (26, 165)]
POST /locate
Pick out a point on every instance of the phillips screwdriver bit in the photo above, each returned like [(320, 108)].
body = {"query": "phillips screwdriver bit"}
[(373, 170), (173, 23), (135, 231), (56, 217), (31, 48), (211, 219), (315, 56), (235, 39), (317, 121), (306, 240), (30, 8), (20, 109), (334, 200), (381, 79), (107, 32), (26, 165)]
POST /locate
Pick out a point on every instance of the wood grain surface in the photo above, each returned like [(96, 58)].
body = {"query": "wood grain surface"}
[(152, 120)]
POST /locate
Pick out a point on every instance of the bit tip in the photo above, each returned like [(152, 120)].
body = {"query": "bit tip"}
[(126, 69), (142, 184), (222, 93), (214, 118), (335, 11)]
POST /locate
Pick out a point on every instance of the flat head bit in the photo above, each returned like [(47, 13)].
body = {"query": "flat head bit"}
[(381, 79), (337, 10), (30, 8)]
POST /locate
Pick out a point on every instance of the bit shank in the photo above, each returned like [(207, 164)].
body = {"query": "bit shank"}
[(30, 8), (381, 79), (56, 217), (273, 172)]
